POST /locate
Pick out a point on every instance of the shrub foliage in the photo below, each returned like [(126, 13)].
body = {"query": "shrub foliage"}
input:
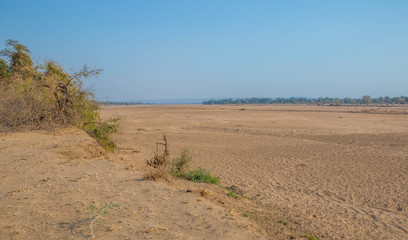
[(45, 95), (180, 167), (202, 176)]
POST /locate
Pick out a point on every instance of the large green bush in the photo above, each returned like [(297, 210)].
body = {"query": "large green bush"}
[(45, 96)]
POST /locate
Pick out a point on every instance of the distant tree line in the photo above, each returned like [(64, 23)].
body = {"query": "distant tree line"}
[(314, 101), (108, 103)]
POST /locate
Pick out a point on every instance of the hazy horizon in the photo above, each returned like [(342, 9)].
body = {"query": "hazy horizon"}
[(221, 49)]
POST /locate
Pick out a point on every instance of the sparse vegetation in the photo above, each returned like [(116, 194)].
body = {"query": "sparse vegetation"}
[(96, 213), (160, 160), (161, 172), (235, 192), (45, 96), (204, 192), (102, 130), (310, 237), (202, 176), (181, 165), (283, 222), (245, 214), (233, 195), (181, 168), (160, 163)]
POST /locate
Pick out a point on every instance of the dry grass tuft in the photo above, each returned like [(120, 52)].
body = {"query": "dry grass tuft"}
[(204, 192), (157, 173)]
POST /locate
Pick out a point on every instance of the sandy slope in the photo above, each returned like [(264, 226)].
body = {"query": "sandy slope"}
[(49, 180), (336, 172)]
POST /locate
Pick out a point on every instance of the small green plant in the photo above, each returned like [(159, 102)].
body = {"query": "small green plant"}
[(233, 195), (202, 176), (96, 213), (310, 237), (245, 214), (181, 164), (242, 109), (283, 222), (180, 167)]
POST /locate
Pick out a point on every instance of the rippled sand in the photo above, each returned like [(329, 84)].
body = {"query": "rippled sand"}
[(336, 172)]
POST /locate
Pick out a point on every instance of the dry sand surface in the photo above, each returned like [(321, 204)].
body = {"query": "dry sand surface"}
[(48, 181), (332, 172)]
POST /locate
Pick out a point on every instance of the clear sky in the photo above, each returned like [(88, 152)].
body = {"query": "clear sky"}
[(220, 48)]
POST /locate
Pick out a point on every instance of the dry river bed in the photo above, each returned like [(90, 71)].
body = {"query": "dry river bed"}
[(334, 172)]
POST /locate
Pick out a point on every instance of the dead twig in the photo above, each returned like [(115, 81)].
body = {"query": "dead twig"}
[(159, 160)]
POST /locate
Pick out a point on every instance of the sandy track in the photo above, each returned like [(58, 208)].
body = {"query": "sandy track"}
[(337, 172)]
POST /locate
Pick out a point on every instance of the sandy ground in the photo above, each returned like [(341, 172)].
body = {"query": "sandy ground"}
[(331, 172), (49, 180)]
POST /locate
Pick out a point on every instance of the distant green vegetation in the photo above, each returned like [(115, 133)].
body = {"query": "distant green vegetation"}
[(314, 101), (44, 96), (108, 103)]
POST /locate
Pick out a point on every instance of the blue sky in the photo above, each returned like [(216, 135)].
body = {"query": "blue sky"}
[(222, 48)]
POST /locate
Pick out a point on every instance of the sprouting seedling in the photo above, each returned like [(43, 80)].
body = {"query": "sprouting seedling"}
[(98, 212)]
